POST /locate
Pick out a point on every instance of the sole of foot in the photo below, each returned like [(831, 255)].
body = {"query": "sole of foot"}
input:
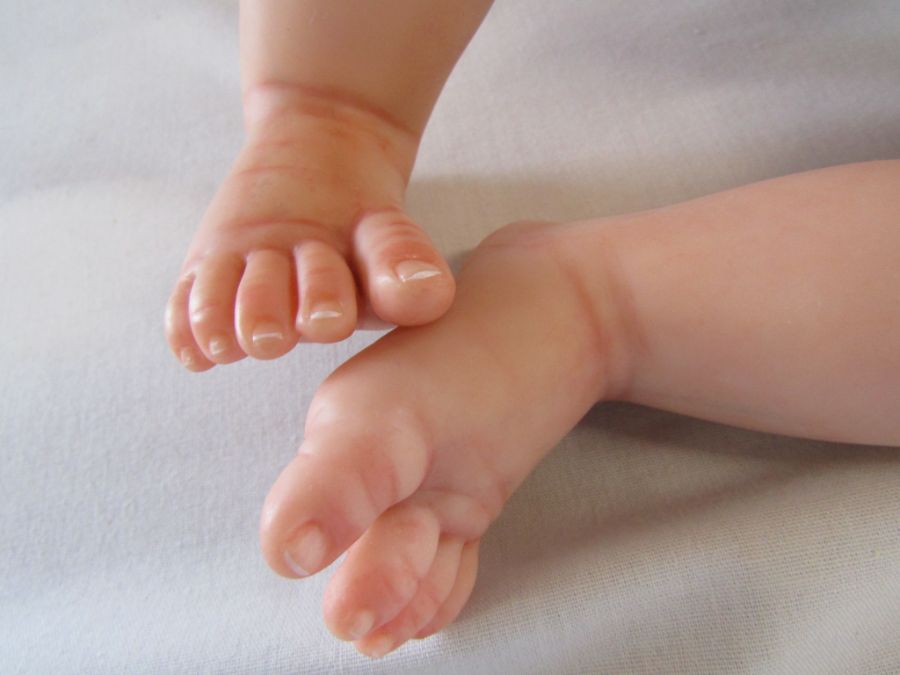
[(413, 446)]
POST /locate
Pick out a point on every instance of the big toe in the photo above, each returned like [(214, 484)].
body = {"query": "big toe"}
[(347, 473), (407, 281)]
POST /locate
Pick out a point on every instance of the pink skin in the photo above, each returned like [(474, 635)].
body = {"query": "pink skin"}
[(306, 237), (709, 307), (749, 307), (420, 482), (312, 203)]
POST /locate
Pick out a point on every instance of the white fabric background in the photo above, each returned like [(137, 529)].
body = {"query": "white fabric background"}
[(647, 542)]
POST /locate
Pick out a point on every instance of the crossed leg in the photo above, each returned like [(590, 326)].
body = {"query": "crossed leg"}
[(769, 307)]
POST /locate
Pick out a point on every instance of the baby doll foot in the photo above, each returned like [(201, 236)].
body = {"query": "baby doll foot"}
[(305, 238), (412, 447)]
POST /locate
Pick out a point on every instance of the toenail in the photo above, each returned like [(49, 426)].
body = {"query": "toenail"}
[(414, 270), (326, 310), (295, 568), (362, 623), (218, 345), (304, 554), (267, 332), (187, 356), (380, 647)]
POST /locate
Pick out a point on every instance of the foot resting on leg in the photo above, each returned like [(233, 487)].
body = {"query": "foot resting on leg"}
[(771, 307), (412, 448)]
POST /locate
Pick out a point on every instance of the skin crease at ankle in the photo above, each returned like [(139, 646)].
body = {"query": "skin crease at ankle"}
[(278, 109), (585, 254), (363, 177), (757, 306)]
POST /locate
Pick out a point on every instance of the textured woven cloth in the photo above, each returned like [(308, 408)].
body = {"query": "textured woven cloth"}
[(646, 542)]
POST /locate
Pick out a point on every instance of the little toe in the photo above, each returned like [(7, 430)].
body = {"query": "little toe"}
[(342, 479), (266, 304), (178, 328), (382, 572), (408, 282), (211, 307), (432, 592), (459, 594), (327, 292)]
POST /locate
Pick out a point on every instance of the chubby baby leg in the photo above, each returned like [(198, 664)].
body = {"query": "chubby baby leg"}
[(772, 307), (307, 236), (412, 448)]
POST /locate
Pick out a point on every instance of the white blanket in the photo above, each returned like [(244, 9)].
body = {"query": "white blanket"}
[(646, 542)]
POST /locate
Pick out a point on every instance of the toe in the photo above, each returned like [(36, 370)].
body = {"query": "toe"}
[(430, 596), (407, 280), (265, 305), (211, 307), (459, 594), (327, 292), (382, 572), (178, 328), (346, 474)]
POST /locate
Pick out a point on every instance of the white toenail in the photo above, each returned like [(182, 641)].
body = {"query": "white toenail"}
[(218, 344), (267, 332), (187, 356), (262, 337), (362, 624), (306, 552), (381, 647), (325, 314), (295, 568), (414, 270), (326, 310)]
